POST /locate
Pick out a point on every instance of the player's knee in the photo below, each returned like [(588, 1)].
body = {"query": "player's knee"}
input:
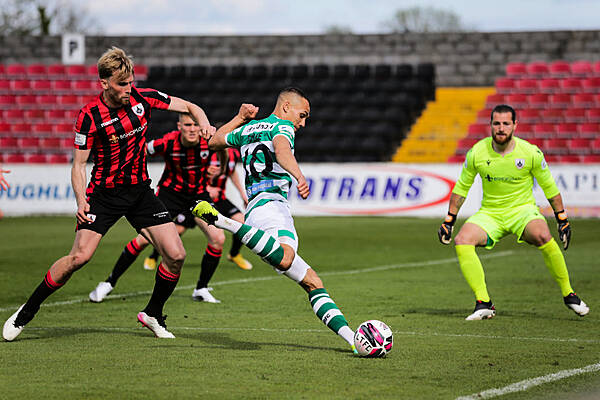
[(217, 240), (541, 239), (175, 258)]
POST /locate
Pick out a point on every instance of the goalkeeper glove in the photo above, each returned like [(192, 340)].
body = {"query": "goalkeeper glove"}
[(564, 228), (445, 231)]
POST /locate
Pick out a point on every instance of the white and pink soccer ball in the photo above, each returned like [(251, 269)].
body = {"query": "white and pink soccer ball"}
[(373, 338)]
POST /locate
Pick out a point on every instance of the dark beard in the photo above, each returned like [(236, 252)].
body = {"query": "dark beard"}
[(508, 137)]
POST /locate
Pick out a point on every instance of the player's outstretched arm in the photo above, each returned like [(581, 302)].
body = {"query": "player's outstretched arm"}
[(197, 114), (445, 230), (244, 115), (78, 181), (285, 158), (563, 225)]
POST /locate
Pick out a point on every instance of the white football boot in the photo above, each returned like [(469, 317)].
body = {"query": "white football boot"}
[(483, 310), (576, 304), (101, 291), (156, 325), (204, 295)]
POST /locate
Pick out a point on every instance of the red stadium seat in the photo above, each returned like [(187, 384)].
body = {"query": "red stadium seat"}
[(76, 71), (27, 101), (549, 85), (569, 159), (478, 131), (15, 71), (556, 146), (581, 68), (42, 129), (5, 129), (9, 143), (541, 143), (29, 142), (59, 159), (524, 131), (559, 69), (83, 87), (41, 87), (552, 158), (55, 115), (47, 101), (36, 158), (591, 158), (595, 146), (583, 100), (591, 85), (64, 130), (34, 115), (141, 72), (483, 116), (516, 69), (559, 100), (67, 143), (8, 101), (571, 85), (56, 71), (575, 115), (14, 158), (37, 71), (50, 143), (463, 145), (21, 129), (544, 131), (537, 68), (589, 130), (68, 101), (505, 85), (456, 158), (529, 116), (596, 68), (517, 100), (13, 116), (62, 86), (92, 71), (579, 146), (566, 131), (2, 71), (5, 87), (538, 100), (494, 99), (527, 86), (20, 86), (552, 115)]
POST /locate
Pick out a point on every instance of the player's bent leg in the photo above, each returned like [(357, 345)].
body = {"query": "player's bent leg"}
[(85, 244), (168, 243), (325, 308)]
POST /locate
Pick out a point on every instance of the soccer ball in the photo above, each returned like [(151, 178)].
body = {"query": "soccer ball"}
[(373, 339)]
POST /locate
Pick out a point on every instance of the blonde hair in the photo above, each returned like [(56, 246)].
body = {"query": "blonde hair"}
[(115, 59)]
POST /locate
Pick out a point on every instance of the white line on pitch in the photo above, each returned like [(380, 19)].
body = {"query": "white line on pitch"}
[(529, 383), (272, 277)]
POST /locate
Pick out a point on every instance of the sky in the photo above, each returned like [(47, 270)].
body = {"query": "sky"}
[(258, 17)]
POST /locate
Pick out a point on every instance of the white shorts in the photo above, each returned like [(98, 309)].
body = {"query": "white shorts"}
[(276, 219)]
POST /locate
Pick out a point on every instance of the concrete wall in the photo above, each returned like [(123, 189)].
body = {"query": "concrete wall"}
[(461, 59)]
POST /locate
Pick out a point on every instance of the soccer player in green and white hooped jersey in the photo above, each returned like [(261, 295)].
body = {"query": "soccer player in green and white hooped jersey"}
[(266, 148), (507, 166)]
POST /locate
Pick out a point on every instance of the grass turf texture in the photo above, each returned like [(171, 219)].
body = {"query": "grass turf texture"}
[(263, 340)]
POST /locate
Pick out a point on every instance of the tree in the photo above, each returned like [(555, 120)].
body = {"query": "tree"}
[(44, 17), (338, 30), (425, 19)]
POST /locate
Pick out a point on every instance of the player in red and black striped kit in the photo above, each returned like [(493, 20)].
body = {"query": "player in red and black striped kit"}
[(182, 184), (112, 129)]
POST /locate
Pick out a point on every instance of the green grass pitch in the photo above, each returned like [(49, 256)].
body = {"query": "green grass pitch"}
[(263, 340)]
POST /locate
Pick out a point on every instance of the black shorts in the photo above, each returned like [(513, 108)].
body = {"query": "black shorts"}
[(179, 205), (137, 203), (226, 208)]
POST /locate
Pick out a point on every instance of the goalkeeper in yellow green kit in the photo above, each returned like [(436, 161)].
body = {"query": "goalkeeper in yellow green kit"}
[(507, 166)]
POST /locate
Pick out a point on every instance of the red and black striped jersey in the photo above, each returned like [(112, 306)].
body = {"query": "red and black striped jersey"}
[(117, 137), (185, 167), (233, 156)]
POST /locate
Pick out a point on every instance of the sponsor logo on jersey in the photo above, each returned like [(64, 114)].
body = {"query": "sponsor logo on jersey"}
[(109, 122), (262, 126), (162, 94), (138, 109), (80, 139), (520, 163), (544, 165), (204, 153)]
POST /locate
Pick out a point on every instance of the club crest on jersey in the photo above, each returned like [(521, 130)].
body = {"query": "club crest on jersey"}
[(204, 153), (519, 163), (113, 138), (138, 109)]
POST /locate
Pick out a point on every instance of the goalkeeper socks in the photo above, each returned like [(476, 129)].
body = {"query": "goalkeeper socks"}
[(128, 256), (330, 314), (41, 293), (236, 244), (555, 262), (257, 240), (164, 284), (210, 261), (472, 270)]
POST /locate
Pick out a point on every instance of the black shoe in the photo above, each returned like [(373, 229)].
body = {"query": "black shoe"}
[(576, 304)]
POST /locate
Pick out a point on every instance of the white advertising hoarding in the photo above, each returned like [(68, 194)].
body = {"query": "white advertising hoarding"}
[(336, 189)]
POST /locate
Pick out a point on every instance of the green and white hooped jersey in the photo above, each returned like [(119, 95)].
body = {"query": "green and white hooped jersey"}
[(265, 179)]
